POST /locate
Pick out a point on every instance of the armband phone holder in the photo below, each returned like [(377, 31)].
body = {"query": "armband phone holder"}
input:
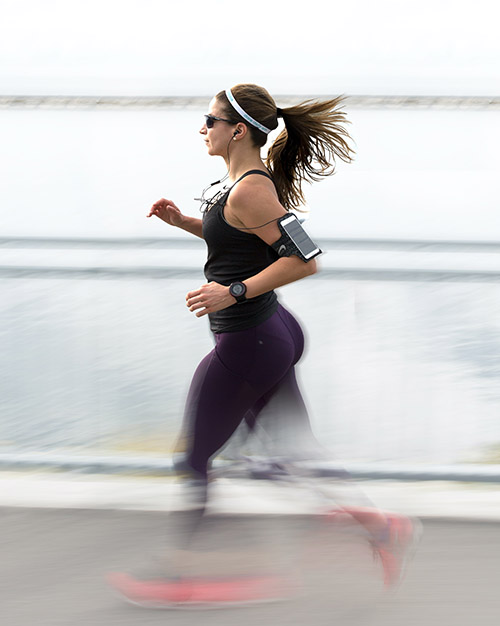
[(294, 240)]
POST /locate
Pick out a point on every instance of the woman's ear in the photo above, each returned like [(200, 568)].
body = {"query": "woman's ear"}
[(240, 131)]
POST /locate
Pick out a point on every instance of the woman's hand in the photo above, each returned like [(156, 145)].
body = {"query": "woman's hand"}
[(209, 298), (167, 211)]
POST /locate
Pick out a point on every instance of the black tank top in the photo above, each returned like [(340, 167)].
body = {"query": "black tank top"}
[(236, 255)]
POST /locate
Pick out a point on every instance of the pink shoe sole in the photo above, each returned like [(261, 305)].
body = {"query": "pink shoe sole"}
[(199, 592)]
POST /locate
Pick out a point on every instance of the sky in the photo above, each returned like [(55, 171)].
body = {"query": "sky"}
[(158, 47)]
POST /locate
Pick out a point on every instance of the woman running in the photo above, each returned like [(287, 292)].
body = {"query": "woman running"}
[(255, 245)]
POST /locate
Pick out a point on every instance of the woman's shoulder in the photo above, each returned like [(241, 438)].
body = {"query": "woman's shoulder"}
[(255, 184), (253, 202)]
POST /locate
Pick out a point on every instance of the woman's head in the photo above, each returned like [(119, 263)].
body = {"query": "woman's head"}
[(256, 103)]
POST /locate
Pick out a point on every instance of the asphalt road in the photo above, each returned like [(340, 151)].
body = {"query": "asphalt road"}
[(54, 563)]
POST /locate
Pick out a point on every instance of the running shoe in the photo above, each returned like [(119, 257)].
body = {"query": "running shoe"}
[(395, 546), (199, 592)]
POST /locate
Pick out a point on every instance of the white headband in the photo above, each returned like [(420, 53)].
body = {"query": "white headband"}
[(244, 114)]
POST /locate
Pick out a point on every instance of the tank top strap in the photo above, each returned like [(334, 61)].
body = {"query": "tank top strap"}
[(261, 172)]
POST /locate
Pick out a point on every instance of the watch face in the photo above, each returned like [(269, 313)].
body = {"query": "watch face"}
[(238, 290)]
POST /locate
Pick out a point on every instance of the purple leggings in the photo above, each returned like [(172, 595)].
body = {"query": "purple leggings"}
[(245, 372)]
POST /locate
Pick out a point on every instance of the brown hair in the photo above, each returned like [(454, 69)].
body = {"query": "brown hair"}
[(306, 149)]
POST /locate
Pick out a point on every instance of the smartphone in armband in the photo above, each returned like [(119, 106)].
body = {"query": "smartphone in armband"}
[(291, 226)]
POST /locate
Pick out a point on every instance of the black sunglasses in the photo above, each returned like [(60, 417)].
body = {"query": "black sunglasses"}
[(211, 119)]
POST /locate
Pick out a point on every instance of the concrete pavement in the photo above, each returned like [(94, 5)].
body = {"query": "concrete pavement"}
[(60, 533), (54, 563)]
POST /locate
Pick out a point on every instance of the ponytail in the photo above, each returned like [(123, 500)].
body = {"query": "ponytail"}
[(313, 138), (307, 147)]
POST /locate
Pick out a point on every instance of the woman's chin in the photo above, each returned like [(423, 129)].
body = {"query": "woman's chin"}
[(211, 151)]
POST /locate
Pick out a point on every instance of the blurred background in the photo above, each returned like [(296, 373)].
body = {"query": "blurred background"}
[(100, 107)]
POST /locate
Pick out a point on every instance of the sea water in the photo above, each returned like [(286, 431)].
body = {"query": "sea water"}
[(398, 366)]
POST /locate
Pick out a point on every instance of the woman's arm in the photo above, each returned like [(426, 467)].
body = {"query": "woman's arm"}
[(213, 297), (282, 272), (250, 206), (167, 211)]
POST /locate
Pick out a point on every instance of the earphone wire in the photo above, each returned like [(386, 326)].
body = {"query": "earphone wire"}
[(206, 202), (275, 219)]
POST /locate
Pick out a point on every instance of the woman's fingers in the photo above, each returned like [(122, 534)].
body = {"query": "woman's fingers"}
[(195, 304), (209, 298), (163, 208), (197, 301), (194, 300), (192, 294), (198, 305)]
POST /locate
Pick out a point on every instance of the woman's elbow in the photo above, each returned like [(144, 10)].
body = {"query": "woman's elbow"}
[(312, 267), (302, 268)]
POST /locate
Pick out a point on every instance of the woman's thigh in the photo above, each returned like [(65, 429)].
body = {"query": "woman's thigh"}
[(242, 369)]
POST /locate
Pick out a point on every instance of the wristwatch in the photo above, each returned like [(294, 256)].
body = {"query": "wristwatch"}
[(238, 290)]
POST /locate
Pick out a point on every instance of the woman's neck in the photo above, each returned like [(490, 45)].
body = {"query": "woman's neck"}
[(238, 164)]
